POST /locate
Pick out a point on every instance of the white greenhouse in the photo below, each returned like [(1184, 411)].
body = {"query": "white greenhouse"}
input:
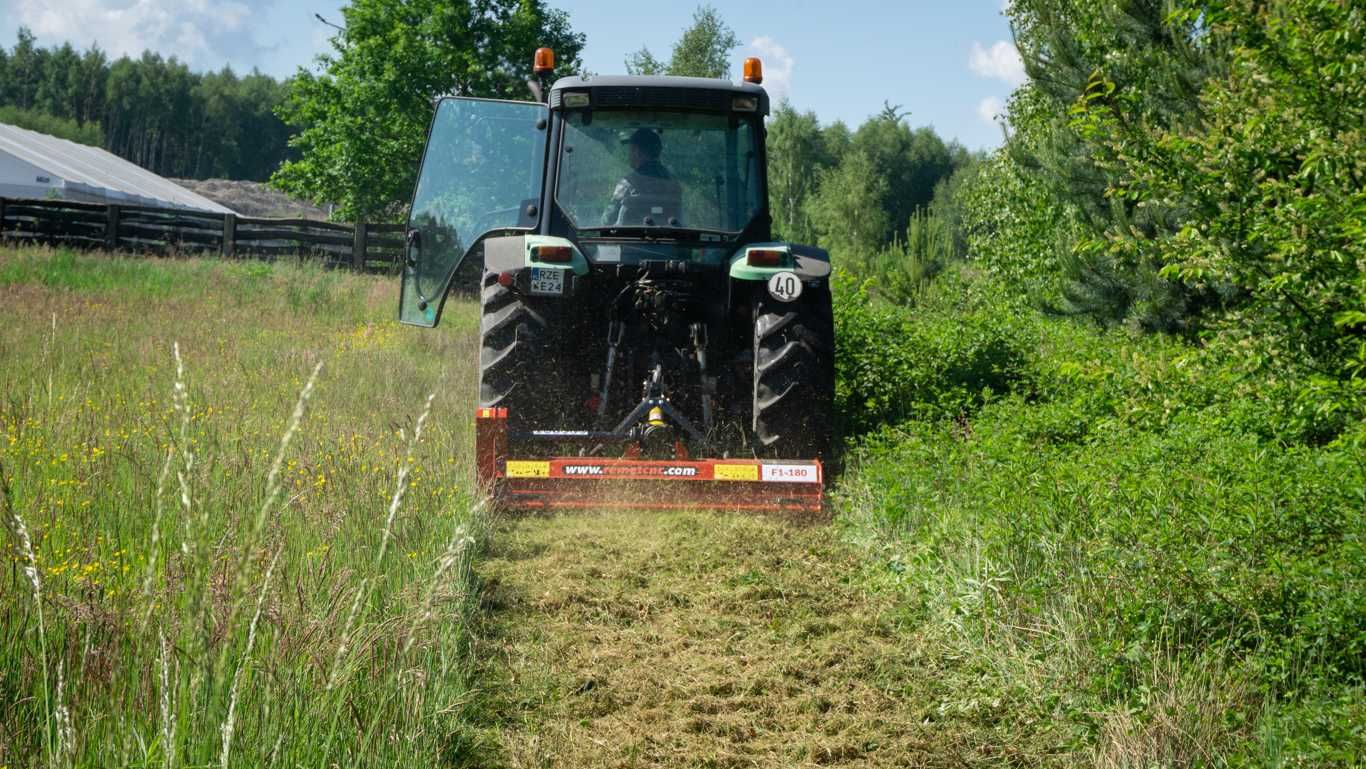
[(35, 165)]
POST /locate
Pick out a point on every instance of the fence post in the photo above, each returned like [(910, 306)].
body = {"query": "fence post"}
[(229, 235), (111, 227), (2, 218), (358, 247)]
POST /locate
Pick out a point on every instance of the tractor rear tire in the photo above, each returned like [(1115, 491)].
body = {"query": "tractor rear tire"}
[(516, 357), (794, 376)]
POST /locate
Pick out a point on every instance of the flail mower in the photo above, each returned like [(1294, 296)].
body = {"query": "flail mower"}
[(643, 341)]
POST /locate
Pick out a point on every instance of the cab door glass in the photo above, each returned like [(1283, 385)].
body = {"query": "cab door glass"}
[(481, 173)]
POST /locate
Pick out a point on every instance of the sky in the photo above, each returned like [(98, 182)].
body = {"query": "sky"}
[(951, 65)]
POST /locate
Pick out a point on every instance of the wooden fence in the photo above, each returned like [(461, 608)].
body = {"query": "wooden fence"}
[(140, 229)]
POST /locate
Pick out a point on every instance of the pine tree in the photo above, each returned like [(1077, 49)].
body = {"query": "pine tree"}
[(1148, 65)]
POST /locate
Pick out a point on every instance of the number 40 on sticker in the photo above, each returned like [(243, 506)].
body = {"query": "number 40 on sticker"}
[(785, 286)]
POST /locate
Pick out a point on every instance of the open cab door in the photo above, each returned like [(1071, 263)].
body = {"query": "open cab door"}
[(482, 173)]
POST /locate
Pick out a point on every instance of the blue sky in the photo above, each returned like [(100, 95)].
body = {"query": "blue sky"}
[(951, 64)]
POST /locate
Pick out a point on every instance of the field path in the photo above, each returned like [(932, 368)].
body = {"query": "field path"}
[(670, 639)]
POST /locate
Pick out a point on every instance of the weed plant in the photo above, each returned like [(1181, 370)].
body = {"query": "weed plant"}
[(239, 513)]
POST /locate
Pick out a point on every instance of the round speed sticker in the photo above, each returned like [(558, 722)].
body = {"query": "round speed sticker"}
[(785, 286)]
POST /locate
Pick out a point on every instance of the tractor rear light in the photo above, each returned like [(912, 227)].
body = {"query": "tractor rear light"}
[(754, 71), (506, 279), (555, 254), (576, 99), (544, 62), (764, 257)]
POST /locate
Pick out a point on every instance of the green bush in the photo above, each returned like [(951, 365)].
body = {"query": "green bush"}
[(1190, 541), (960, 349), (1267, 184), (1114, 504)]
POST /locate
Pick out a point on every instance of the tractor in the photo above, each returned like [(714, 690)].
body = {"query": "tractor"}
[(643, 341)]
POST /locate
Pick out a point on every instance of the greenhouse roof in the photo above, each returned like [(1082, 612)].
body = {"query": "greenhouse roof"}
[(36, 165)]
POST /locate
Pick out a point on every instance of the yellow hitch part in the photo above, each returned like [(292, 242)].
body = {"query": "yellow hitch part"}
[(656, 417)]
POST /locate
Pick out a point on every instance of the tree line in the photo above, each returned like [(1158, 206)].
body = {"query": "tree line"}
[(879, 197), (150, 110)]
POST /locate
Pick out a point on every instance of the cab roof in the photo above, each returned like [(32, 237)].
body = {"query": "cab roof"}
[(660, 91)]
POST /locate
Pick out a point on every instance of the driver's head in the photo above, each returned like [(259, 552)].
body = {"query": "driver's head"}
[(643, 146)]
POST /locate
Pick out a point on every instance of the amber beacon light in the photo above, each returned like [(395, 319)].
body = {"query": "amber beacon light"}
[(545, 61), (754, 71)]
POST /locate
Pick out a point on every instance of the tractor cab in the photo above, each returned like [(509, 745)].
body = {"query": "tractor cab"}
[(658, 157), (628, 169)]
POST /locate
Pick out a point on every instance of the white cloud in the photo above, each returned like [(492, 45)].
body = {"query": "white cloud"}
[(1000, 61), (200, 32), (778, 65), (989, 109)]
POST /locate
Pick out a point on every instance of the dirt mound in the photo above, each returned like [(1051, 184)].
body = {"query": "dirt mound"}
[(253, 199)]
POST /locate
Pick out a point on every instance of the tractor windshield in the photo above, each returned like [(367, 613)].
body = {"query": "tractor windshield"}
[(670, 170)]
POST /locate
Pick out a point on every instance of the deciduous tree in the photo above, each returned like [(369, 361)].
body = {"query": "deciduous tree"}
[(1267, 192), (847, 213), (363, 118), (797, 155), (704, 49), (643, 62)]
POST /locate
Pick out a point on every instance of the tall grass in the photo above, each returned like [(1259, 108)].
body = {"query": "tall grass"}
[(240, 518)]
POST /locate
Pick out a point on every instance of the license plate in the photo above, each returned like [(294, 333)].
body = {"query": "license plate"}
[(547, 281)]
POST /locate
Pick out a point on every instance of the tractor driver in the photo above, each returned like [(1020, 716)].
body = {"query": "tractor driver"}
[(648, 194)]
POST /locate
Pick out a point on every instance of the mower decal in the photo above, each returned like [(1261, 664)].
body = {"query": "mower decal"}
[(736, 472), (629, 470), (583, 469), (522, 469), (791, 473), (785, 286)]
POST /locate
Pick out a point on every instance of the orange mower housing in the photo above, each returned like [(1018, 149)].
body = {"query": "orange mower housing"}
[(556, 482)]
